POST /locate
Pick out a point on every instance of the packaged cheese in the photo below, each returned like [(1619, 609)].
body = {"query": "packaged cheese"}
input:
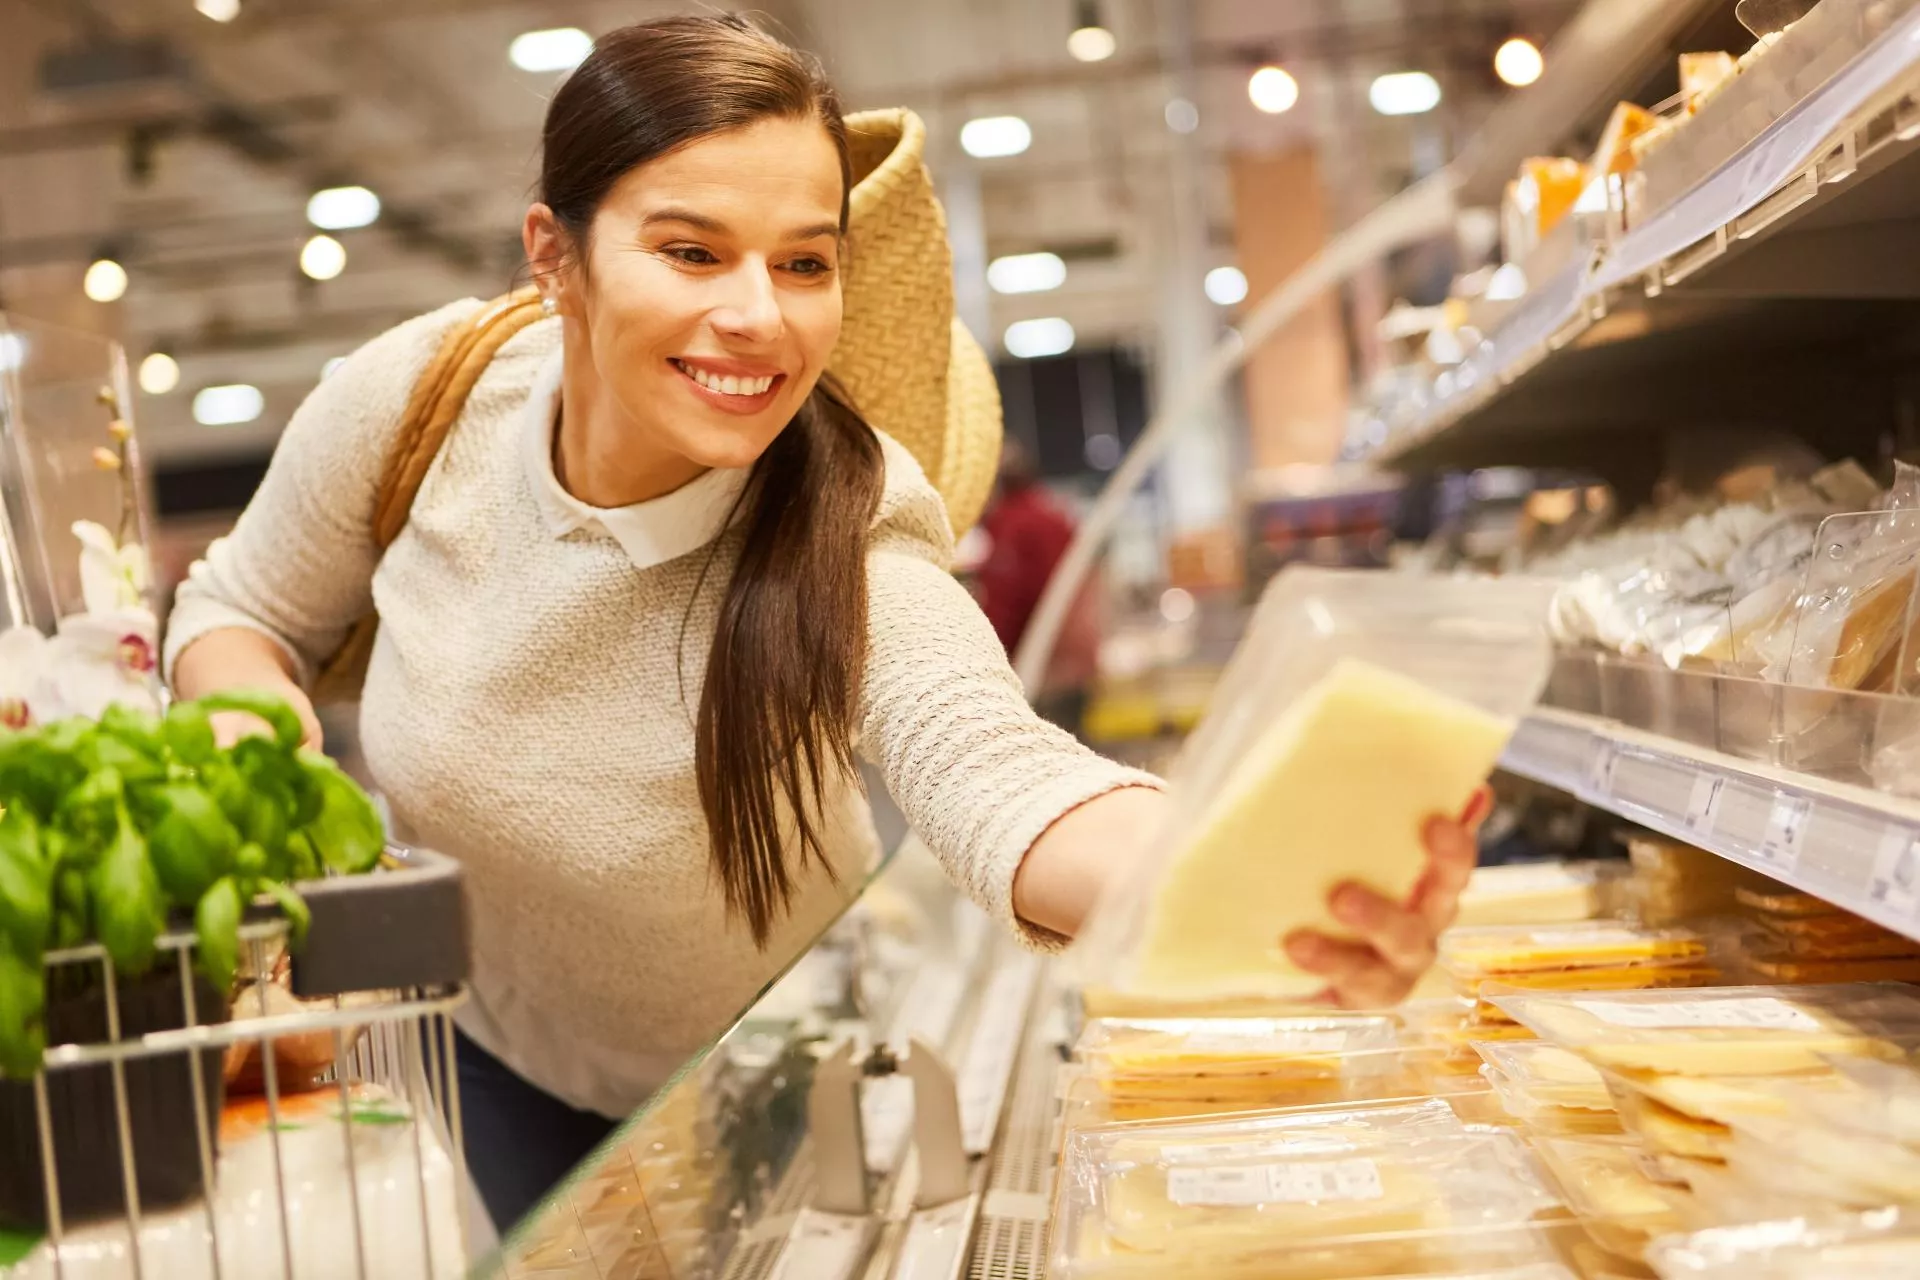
[(1704, 74), (1537, 893), (1210, 1048), (1723, 1031), (1289, 1206), (1356, 710), (1620, 1198), (1549, 1074), (1549, 1118), (1672, 1132), (1881, 1245), (1878, 1167), (1472, 954), (1614, 156)]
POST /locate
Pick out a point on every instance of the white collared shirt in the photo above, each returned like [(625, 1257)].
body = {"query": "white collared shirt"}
[(651, 532)]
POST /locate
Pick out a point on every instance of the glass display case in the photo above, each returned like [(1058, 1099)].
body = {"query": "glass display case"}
[(77, 624), (850, 1123)]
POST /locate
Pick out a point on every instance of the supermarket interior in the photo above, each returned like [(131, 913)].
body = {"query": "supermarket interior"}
[(960, 640)]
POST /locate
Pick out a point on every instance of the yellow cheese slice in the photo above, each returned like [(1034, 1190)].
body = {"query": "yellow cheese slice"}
[(1339, 789)]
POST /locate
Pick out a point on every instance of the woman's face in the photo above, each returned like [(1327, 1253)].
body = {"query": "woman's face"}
[(711, 290)]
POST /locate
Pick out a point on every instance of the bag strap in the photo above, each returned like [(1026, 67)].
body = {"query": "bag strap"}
[(437, 399)]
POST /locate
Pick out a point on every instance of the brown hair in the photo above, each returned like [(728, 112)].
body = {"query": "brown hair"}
[(783, 677)]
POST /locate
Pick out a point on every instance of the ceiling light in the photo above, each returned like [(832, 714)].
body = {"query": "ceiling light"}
[(993, 136), (323, 258), (557, 49), (1026, 273), (1029, 339), (1273, 90), (105, 280), (1404, 93), (343, 208), (218, 10), (1519, 63), (1091, 44), (327, 369), (13, 352), (1226, 286), (227, 406), (159, 374), (1182, 116)]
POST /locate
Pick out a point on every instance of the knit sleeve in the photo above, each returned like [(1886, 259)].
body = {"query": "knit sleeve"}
[(979, 776), (298, 566)]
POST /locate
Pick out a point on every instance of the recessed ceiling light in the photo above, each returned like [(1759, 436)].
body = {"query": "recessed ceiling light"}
[(159, 374), (1029, 339), (1273, 90), (1404, 93), (555, 49), (105, 281), (323, 258), (1182, 116), (227, 406), (990, 137), (1226, 286), (218, 10), (1091, 44), (1518, 62), (1026, 273), (343, 208)]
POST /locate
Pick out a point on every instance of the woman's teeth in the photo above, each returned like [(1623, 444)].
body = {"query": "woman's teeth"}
[(726, 386)]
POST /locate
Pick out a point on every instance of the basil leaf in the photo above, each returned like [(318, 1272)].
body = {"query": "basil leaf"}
[(294, 907), (23, 999), (26, 884), (128, 914), (191, 841), (216, 922), (348, 833), (189, 733), (286, 726)]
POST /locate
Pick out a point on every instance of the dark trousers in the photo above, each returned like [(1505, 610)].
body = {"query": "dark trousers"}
[(521, 1140)]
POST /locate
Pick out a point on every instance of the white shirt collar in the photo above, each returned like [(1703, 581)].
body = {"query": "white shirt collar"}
[(651, 532)]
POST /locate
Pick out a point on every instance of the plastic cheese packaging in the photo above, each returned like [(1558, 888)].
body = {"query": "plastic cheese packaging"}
[(1534, 893), (1723, 1031), (1300, 1206), (1880, 1168), (1883, 1244), (1198, 1048), (1547, 1118), (1549, 1074), (1338, 791), (1356, 709), (1511, 949), (1621, 1199), (1614, 155)]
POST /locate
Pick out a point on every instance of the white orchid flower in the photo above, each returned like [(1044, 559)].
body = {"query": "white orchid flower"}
[(112, 577), (25, 656), (99, 659)]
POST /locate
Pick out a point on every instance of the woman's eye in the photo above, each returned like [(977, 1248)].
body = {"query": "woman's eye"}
[(810, 266), (693, 255)]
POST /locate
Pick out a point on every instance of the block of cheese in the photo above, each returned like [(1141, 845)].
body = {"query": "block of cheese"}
[(1524, 949), (1218, 1049), (1704, 74), (1533, 893), (1338, 789), (1615, 152)]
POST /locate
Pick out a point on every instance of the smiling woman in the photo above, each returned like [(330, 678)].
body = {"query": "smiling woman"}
[(684, 545)]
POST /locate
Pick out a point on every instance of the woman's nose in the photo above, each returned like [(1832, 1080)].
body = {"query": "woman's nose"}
[(753, 309)]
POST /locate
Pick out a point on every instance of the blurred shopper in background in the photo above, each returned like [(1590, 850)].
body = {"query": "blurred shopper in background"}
[(1029, 530)]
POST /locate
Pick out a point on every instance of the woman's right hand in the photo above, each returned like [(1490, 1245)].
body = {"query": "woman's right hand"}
[(236, 658)]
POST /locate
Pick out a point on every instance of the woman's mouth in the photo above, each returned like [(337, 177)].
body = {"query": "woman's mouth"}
[(731, 392)]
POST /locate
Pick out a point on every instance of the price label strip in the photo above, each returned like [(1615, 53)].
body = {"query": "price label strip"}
[(1703, 805), (1786, 835), (1601, 766), (988, 1065), (1896, 873), (936, 1243)]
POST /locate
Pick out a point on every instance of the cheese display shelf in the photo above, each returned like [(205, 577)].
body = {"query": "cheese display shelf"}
[(1747, 269)]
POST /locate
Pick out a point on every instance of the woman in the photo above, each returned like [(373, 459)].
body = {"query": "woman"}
[(658, 582)]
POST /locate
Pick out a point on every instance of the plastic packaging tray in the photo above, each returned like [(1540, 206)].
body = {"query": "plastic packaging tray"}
[(1212, 1048), (1497, 951), (1546, 1118), (1880, 1245), (1620, 1198), (1549, 1074), (1724, 1030)]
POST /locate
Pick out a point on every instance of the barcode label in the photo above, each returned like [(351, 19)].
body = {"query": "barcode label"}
[(1745, 1013), (1293, 1183), (1896, 872), (1601, 766)]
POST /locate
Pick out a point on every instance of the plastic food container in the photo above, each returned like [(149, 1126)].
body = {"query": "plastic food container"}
[(1549, 1074), (1726, 1031), (1495, 951), (1208, 1048), (1880, 1245), (1620, 1198)]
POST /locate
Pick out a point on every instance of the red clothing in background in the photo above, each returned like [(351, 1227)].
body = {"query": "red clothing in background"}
[(1029, 533)]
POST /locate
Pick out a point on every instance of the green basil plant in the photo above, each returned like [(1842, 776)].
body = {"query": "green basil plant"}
[(108, 827)]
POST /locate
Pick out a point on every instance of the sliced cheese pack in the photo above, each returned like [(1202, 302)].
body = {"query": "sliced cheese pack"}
[(1880, 1245), (1549, 1074), (1536, 893), (1621, 1199), (1470, 955), (1237, 1048), (1338, 790), (1723, 1031)]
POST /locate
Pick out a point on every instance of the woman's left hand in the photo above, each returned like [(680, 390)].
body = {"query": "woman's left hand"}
[(1396, 941)]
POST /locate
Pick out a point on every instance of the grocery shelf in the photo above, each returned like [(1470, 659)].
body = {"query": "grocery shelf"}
[(1754, 293), (1856, 847)]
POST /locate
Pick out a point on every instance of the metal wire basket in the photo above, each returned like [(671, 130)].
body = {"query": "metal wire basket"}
[(125, 1157)]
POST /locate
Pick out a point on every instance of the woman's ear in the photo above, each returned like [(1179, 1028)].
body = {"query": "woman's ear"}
[(548, 247)]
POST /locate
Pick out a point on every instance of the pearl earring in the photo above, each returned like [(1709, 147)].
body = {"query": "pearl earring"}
[(549, 305)]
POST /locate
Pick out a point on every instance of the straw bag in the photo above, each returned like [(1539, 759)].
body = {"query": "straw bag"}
[(911, 367)]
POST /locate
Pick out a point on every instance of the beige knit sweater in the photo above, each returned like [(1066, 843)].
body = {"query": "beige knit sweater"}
[(524, 708)]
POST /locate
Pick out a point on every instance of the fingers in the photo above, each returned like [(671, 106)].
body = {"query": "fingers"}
[(1357, 976), (1453, 852), (1400, 935)]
